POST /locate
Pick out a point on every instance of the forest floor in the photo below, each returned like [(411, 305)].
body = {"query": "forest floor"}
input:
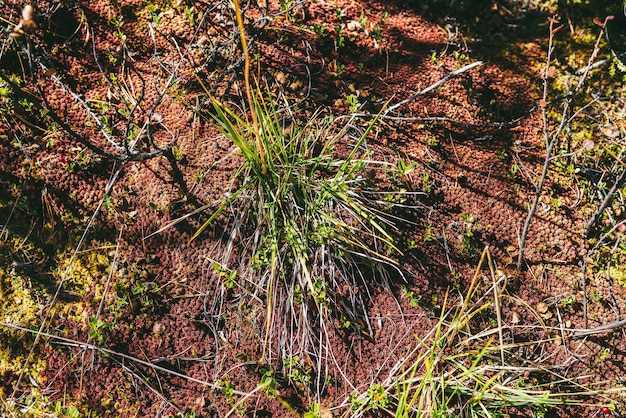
[(111, 160)]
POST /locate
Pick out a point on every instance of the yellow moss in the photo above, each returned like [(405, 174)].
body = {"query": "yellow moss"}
[(106, 399), (618, 274), (35, 402), (23, 299), (72, 312), (580, 135), (19, 305), (85, 271)]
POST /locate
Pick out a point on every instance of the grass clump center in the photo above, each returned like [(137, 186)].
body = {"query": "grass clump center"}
[(306, 217)]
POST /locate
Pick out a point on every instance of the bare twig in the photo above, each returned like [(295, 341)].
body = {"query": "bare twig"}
[(433, 86), (550, 143), (577, 333), (552, 138), (583, 268), (619, 182)]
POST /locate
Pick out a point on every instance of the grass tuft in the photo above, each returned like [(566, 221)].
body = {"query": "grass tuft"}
[(463, 368), (305, 217)]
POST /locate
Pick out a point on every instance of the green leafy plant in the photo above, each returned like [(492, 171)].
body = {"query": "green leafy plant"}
[(314, 412), (228, 276), (353, 103), (432, 141), (427, 183), (414, 299), (319, 30), (340, 40), (177, 153), (268, 384), (429, 232), (66, 411), (468, 243), (375, 398), (118, 23), (231, 396), (98, 329), (377, 34), (297, 373), (141, 295)]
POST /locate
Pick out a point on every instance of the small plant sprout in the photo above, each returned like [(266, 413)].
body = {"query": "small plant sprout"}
[(353, 103), (177, 153), (297, 373), (340, 40), (268, 384), (314, 411), (427, 183), (98, 329), (231, 396), (411, 243), (429, 232), (228, 276), (404, 168), (414, 299), (376, 398), (467, 234), (432, 141), (319, 30)]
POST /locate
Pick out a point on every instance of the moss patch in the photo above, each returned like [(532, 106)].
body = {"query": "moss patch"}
[(28, 279)]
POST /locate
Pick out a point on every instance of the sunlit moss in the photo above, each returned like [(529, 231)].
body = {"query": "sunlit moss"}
[(85, 270), (17, 305), (33, 402), (22, 302), (618, 274), (26, 285)]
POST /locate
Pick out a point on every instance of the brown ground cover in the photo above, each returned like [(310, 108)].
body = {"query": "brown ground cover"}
[(108, 150)]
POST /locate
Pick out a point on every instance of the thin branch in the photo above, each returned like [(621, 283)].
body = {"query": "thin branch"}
[(551, 139), (550, 143), (577, 333), (433, 86), (607, 200)]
